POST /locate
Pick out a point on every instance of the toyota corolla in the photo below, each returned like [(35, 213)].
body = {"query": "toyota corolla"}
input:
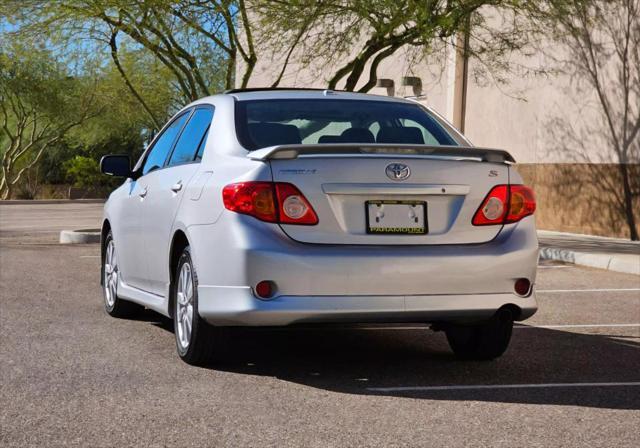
[(265, 207)]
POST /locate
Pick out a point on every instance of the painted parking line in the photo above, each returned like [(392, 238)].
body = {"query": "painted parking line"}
[(500, 386), (589, 290), (525, 327), (89, 256), (562, 266), (516, 327), (426, 327)]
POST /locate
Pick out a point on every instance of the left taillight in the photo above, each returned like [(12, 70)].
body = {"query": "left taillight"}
[(505, 204), (251, 198), (277, 202)]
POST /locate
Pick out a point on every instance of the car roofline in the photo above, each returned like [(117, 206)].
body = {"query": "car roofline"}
[(268, 89), (270, 93)]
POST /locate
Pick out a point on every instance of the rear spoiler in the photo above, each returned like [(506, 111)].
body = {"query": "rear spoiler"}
[(383, 150)]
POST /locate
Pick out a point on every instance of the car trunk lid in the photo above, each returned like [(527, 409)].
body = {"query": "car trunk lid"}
[(390, 194)]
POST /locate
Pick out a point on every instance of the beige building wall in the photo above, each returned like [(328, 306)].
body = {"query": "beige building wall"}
[(515, 116)]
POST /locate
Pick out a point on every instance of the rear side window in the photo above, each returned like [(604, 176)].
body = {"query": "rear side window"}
[(163, 145), (202, 144), (191, 142)]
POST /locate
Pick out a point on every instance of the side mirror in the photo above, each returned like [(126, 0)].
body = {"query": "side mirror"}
[(116, 165)]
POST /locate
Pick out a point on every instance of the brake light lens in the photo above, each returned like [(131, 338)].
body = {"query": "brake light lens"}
[(251, 198), (277, 202), (522, 202), (505, 204)]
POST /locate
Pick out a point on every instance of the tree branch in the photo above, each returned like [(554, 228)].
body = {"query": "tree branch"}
[(125, 78)]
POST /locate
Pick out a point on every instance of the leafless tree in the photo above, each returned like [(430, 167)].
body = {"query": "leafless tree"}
[(603, 42)]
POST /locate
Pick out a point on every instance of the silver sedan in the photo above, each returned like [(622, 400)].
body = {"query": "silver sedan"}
[(266, 207)]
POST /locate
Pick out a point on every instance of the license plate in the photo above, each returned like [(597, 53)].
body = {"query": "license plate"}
[(396, 217)]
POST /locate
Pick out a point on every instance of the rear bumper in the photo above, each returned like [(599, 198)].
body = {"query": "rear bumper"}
[(243, 253), (328, 283), (238, 307)]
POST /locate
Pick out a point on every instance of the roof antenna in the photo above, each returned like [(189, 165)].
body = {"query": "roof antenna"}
[(328, 92)]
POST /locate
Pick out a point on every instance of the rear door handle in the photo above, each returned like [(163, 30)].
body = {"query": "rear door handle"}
[(177, 186), (144, 192)]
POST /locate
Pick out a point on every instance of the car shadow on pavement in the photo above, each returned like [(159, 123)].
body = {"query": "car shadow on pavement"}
[(362, 361)]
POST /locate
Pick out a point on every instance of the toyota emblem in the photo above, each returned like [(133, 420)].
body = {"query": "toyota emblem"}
[(398, 171)]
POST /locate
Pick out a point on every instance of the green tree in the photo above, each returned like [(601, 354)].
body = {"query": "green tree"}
[(355, 36), (84, 172), (39, 105), (208, 45), (198, 41), (121, 118), (118, 125)]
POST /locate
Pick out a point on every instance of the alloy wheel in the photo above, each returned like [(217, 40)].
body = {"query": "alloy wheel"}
[(110, 275), (184, 306)]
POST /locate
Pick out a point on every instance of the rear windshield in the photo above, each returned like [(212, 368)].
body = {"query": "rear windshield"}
[(264, 123)]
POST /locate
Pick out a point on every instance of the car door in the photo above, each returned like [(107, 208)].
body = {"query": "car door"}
[(127, 234), (152, 163), (166, 191)]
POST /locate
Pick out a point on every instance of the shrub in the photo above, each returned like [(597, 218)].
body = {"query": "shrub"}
[(84, 172)]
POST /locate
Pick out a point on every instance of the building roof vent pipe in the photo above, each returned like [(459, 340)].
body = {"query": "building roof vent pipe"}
[(415, 83), (388, 84)]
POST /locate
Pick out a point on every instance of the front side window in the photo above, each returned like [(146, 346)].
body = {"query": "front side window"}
[(264, 123), (192, 139), (163, 145)]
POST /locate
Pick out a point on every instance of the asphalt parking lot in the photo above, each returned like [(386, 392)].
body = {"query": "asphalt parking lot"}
[(71, 375)]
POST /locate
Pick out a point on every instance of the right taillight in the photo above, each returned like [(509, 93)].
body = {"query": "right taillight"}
[(505, 204), (278, 202)]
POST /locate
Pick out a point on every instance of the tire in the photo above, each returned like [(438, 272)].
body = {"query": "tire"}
[(197, 342), (114, 305), (482, 342)]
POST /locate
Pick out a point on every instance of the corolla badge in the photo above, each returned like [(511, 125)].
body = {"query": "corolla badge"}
[(397, 171)]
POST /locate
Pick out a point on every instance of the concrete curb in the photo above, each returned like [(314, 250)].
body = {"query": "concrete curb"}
[(51, 201), (625, 263), (84, 236)]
